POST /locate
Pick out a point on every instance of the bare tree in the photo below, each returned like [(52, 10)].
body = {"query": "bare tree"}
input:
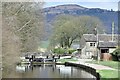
[(21, 32)]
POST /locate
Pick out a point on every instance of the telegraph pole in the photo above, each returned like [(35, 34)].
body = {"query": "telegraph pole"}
[(97, 42), (113, 25)]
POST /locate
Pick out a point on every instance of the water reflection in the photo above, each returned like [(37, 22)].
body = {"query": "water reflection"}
[(50, 71)]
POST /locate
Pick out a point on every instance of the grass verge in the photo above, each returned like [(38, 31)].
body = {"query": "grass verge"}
[(108, 74)]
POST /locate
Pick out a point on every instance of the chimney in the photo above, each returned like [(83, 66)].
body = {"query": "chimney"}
[(113, 25)]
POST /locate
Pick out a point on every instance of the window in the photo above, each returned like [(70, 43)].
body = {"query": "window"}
[(92, 44), (104, 50)]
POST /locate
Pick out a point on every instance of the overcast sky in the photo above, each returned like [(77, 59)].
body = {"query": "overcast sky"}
[(103, 4)]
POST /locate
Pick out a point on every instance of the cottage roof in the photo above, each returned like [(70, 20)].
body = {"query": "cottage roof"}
[(107, 44), (107, 37), (89, 37), (105, 40)]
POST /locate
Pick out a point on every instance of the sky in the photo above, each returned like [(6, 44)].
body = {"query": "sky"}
[(103, 4)]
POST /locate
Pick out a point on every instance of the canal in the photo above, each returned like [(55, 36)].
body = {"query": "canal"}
[(49, 71)]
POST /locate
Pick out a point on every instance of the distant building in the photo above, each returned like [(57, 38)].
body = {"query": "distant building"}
[(98, 45), (75, 46)]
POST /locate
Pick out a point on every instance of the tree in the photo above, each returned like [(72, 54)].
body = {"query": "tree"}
[(27, 23), (21, 32), (116, 54), (67, 28)]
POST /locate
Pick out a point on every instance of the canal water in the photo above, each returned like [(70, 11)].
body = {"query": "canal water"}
[(49, 71)]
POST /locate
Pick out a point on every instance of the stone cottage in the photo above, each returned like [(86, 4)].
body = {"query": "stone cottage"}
[(100, 45)]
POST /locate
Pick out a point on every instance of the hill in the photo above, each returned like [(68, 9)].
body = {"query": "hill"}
[(106, 16)]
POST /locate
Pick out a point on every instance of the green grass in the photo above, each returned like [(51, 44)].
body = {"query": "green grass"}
[(112, 64), (66, 60), (108, 74)]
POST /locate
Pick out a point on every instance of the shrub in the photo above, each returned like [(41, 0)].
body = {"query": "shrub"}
[(70, 51), (116, 54), (62, 50), (59, 50)]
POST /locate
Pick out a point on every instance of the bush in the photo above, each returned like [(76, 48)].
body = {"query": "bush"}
[(70, 51), (59, 50), (62, 50), (116, 54)]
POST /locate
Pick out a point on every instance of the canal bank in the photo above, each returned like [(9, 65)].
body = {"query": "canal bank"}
[(92, 68), (84, 67)]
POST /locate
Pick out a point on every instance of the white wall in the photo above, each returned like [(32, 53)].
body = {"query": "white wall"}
[(88, 45), (111, 50)]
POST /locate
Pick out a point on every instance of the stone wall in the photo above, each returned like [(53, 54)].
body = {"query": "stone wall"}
[(86, 68)]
